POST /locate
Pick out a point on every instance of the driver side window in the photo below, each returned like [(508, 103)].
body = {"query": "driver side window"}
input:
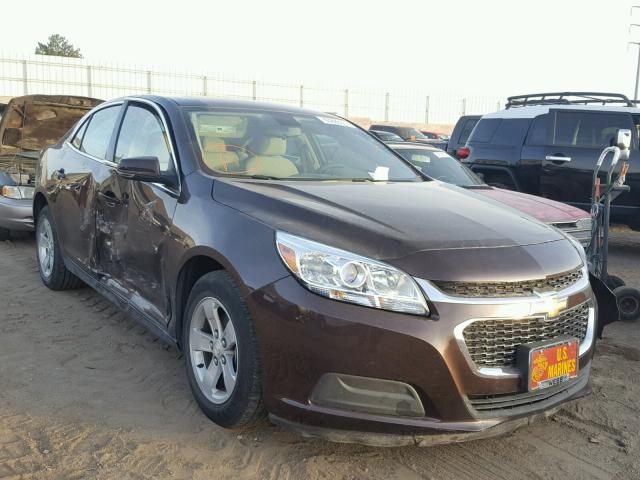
[(142, 135)]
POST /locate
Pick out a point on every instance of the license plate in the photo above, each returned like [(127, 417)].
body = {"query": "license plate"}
[(550, 365)]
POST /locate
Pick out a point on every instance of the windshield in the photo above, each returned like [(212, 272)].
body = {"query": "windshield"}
[(409, 133), (279, 145), (439, 165)]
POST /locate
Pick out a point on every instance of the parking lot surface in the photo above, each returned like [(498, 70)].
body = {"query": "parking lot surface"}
[(86, 393)]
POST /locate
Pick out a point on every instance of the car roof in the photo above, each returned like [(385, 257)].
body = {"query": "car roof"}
[(212, 102), (535, 110)]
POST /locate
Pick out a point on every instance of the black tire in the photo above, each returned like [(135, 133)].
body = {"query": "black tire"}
[(4, 234), (628, 299), (243, 409), (614, 282), (57, 277)]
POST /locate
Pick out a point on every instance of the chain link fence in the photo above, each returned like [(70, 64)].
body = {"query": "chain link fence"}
[(69, 76)]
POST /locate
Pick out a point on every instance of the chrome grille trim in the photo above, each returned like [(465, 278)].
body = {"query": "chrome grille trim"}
[(524, 288), (493, 342), (511, 371), (436, 295)]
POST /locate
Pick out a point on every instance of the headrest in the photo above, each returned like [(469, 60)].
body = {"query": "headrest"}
[(214, 145), (274, 146)]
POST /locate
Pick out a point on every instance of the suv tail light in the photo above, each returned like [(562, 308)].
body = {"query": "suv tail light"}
[(463, 152)]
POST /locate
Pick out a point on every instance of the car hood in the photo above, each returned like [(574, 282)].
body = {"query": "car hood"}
[(543, 209), (34, 122), (407, 224)]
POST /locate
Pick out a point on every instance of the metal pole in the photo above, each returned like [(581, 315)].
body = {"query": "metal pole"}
[(464, 106), (24, 77), (89, 89), (253, 86), (426, 111), (386, 107), (149, 82), (301, 96), (346, 102), (204, 86)]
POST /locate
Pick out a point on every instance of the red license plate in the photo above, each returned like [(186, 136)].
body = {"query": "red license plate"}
[(553, 364)]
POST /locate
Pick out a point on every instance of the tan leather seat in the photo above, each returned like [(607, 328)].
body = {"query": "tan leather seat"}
[(270, 159), (216, 156)]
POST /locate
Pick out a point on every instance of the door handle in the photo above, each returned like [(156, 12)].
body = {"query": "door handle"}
[(109, 199), (60, 174), (557, 158)]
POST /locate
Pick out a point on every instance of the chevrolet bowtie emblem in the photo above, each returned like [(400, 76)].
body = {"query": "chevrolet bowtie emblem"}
[(550, 306)]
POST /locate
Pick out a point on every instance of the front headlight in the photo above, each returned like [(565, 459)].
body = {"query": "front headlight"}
[(19, 193), (348, 277)]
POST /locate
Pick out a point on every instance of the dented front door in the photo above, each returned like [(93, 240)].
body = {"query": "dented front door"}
[(144, 215)]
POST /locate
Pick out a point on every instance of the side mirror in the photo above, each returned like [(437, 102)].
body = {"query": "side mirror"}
[(623, 139), (144, 169)]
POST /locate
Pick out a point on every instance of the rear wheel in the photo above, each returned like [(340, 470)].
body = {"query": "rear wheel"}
[(53, 272), (221, 353), (628, 299)]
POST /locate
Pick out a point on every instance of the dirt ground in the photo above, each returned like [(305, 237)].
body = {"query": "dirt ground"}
[(87, 393)]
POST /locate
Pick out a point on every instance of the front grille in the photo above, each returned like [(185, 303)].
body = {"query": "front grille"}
[(525, 288), (493, 342)]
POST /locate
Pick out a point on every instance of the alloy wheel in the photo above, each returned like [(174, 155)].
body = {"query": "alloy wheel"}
[(45, 247), (213, 349)]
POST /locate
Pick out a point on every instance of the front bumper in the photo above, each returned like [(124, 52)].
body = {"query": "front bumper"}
[(304, 336), (16, 214)]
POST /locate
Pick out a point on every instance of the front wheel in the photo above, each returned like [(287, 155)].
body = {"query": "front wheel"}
[(53, 272), (221, 353)]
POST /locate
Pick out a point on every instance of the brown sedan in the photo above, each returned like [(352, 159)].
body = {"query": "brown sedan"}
[(308, 271)]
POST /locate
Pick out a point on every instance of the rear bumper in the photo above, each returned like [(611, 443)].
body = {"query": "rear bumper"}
[(16, 214)]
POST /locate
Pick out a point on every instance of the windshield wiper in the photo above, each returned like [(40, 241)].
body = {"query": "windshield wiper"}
[(365, 179)]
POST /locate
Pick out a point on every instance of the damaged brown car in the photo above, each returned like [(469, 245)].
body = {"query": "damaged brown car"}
[(307, 270), (27, 125)]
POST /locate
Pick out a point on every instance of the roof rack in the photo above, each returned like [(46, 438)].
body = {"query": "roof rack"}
[(570, 98)]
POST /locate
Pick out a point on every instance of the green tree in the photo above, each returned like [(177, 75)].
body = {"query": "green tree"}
[(59, 46)]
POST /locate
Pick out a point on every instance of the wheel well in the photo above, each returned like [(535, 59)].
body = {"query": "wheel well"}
[(39, 202), (195, 268)]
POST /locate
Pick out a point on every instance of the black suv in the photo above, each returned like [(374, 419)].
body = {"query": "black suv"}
[(548, 144)]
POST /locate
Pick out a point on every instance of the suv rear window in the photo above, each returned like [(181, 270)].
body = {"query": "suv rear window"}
[(580, 129), (500, 131), (467, 128)]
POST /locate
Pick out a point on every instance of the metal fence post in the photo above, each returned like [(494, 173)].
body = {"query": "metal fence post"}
[(301, 95), (24, 77), (204, 86), (149, 82), (426, 111), (386, 107), (346, 102), (464, 106), (253, 95), (89, 86)]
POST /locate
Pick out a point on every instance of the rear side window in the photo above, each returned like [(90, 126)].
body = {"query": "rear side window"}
[(467, 128), (511, 131), (580, 129), (484, 130), (142, 135), (538, 131), (98, 133)]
